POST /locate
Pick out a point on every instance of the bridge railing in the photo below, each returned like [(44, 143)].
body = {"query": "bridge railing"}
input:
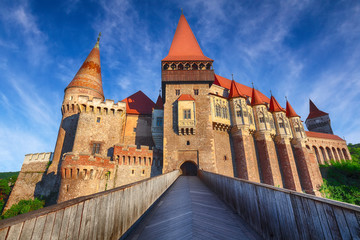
[(278, 213), (104, 215)]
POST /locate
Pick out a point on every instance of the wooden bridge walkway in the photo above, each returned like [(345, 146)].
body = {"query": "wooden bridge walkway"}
[(190, 210)]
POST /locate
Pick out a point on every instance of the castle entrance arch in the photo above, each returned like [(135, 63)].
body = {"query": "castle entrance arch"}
[(188, 168)]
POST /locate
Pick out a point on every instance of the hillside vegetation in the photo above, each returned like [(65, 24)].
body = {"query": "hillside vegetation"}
[(7, 182), (342, 180)]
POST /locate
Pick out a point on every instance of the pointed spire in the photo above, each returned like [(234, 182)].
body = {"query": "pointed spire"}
[(255, 98), (159, 103), (290, 112), (275, 106), (314, 111), (235, 91), (89, 74), (184, 46)]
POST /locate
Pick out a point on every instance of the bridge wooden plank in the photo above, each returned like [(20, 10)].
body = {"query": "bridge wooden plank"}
[(85, 218), (27, 230), (3, 233), (65, 223), (313, 219), (57, 224), (330, 216), (323, 220), (71, 225), (49, 224), (340, 219), (285, 212), (352, 223), (39, 228), (78, 216), (300, 217), (15, 231)]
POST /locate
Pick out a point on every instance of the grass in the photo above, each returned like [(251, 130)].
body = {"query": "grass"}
[(342, 179)]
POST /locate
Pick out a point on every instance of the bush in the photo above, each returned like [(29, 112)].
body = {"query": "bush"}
[(23, 206)]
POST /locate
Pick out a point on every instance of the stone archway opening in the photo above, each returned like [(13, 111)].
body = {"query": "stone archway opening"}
[(188, 168)]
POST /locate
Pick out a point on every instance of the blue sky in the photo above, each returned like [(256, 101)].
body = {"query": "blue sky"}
[(299, 49)]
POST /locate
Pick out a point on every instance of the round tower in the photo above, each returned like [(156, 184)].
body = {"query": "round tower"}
[(87, 82)]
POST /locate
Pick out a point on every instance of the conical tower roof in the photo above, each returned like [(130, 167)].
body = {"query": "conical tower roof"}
[(290, 112), (255, 98), (314, 111), (184, 46), (159, 103), (89, 74), (235, 91), (275, 106)]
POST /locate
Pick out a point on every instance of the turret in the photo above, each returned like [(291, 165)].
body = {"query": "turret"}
[(318, 121), (295, 122), (281, 121), (240, 116), (263, 118)]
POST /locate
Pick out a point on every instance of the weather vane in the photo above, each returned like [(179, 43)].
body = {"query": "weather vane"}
[(286, 98), (98, 39), (232, 76), (252, 83), (270, 92)]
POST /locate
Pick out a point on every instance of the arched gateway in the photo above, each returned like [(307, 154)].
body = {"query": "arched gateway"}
[(188, 168)]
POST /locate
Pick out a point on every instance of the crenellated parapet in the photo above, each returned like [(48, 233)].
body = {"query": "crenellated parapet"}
[(95, 105), (131, 155), (86, 167), (38, 157)]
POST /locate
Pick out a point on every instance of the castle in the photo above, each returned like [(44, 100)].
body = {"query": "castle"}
[(201, 120)]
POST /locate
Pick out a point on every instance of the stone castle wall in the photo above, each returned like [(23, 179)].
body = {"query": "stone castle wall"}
[(32, 173), (83, 174)]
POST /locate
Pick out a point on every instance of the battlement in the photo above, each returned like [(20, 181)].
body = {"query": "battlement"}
[(38, 157), (131, 155), (96, 105)]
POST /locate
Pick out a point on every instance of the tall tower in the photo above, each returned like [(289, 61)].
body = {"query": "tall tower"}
[(186, 78), (318, 121), (87, 82)]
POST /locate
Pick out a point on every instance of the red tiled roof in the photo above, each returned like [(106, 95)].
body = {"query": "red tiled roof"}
[(247, 91), (186, 97), (159, 103), (89, 74), (255, 98), (290, 112), (184, 46), (139, 103), (234, 91), (275, 106), (315, 112), (323, 135)]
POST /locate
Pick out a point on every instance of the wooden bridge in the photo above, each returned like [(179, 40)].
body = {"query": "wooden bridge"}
[(209, 206)]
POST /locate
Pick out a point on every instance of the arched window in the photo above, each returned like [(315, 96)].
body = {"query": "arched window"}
[(180, 67), (187, 66), (329, 153), (166, 66), (194, 66), (129, 161), (134, 158), (323, 154), (144, 160), (173, 66), (123, 160), (201, 66), (139, 160), (341, 157), (218, 110), (335, 154), (345, 154), (317, 155)]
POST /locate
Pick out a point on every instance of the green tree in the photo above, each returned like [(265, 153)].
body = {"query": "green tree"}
[(23, 206)]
